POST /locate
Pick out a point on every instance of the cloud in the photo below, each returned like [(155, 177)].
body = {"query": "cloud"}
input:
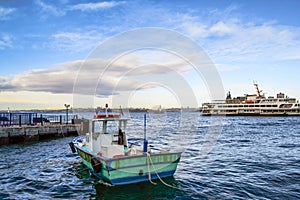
[(221, 29), (5, 83), (5, 12), (75, 41), (48, 9), (235, 40), (5, 41), (194, 29), (91, 77), (224, 34), (228, 37), (3, 79), (58, 11), (256, 42), (96, 6)]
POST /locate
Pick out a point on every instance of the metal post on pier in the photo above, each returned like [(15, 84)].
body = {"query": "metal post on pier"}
[(42, 124), (20, 120), (67, 112), (10, 119)]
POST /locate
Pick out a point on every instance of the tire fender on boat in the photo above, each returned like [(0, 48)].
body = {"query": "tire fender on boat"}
[(97, 165), (72, 147)]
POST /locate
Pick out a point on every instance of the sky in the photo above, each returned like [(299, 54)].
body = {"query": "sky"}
[(145, 53)]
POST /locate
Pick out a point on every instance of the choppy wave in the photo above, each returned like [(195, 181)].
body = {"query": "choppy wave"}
[(252, 158)]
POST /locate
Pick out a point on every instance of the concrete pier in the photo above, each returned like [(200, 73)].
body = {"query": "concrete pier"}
[(16, 134)]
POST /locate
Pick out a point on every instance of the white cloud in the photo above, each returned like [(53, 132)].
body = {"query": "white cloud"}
[(5, 41), (221, 29), (195, 29), (48, 9), (232, 40), (75, 41), (5, 12), (220, 32), (96, 6), (256, 42), (229, 38)]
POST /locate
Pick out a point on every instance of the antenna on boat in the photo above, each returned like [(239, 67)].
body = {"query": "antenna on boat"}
[(257, 89), (145, 149), (106, 107)]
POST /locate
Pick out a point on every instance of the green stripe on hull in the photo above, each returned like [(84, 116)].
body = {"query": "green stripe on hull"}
[(135, 179), (126, 168), (88, 164), (142, 160), (141, 170)]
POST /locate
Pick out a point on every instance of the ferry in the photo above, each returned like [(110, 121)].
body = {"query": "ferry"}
[(253, 105), (108, 155)]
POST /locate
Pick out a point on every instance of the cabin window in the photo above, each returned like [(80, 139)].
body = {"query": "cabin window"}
[(112, 127), (97, 127)]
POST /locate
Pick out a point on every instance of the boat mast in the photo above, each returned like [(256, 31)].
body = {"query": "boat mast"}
[(145, 149)]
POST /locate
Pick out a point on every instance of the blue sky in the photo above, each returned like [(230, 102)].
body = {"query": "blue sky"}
[(42, 43)]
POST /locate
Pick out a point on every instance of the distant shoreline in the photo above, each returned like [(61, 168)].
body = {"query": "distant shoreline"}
[(101, 109)]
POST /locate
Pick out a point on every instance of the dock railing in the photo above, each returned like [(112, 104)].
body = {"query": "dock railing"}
[(32, 119)]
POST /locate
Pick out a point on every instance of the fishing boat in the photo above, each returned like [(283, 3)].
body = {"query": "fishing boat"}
[(253, 105), (108, 155)]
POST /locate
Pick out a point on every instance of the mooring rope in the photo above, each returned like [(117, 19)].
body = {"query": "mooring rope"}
[(166, 184), (149, 172)]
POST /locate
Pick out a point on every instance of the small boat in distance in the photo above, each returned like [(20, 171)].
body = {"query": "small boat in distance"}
[(108, 155), (157, 110), (253, 105)]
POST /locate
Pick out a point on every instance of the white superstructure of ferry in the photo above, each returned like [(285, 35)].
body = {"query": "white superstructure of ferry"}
[(253, 105)]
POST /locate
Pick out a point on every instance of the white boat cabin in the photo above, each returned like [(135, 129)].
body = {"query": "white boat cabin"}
[(107, 136)]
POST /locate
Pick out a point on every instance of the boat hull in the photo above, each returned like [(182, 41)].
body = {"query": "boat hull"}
[(130, 169)]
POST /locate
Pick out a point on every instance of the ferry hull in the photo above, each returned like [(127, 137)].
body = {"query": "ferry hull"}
[(252, 114), (130, 169)]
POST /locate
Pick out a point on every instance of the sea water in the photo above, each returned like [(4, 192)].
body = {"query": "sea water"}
[(250, 158)]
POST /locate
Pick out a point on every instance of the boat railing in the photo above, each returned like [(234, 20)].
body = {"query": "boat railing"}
[(218, 101)]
